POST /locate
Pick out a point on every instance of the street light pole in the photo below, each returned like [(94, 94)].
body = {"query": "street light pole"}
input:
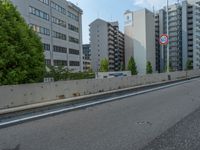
[(168, 36)]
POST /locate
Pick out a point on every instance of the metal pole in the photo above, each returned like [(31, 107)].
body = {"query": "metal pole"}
[(168, 35)]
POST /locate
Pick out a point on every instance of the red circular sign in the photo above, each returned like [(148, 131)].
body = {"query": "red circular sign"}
[(164, 39)]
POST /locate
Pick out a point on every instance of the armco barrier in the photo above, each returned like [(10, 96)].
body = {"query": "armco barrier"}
[(20, 95)]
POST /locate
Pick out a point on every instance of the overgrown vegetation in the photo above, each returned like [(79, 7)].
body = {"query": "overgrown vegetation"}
[(189, 65), (132, 66), (59, 74), (21, 51), (149, 69), (104, 65)]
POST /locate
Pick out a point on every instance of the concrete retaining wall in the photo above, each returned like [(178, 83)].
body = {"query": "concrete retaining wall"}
[(20, 95)]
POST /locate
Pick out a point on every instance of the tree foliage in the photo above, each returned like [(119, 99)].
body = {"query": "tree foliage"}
[(122, 67), (189, 65), (60, 73), (132, 66), (21, 51), (149, 69), (104, 65), (170, 67)]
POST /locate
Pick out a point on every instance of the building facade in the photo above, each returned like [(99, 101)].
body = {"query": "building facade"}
[(106, 42), (175, 40), (59, 24), (191, 32), (86, 57), (183, 26), (140, 38)]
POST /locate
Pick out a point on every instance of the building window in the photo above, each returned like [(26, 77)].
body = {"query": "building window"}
[(73, 40), (59, 35), (59, 49), (58, 8), (48, 62), (73, 28), (45, 1), (60, 63), (74, 63), (73, 16), (38, 13), (46, 47), (73, 51), (59, 22), (40, 29)]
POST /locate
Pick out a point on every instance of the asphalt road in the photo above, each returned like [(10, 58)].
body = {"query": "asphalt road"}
[(166, 119)]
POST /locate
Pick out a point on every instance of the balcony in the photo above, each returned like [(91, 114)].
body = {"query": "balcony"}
[(111, 42), (110, 33), (111, 56), (110, 46)]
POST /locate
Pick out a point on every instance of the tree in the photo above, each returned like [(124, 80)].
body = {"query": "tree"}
[(132, 66), (149, 69), (104, 65), (170, 67), (189, 65), (60, 73), (21, 51), (122, 67)]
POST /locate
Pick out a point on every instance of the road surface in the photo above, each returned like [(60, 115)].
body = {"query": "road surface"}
[(160, 120)]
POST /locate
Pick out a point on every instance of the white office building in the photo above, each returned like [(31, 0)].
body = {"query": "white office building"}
[(86, 57), (140, 38), (59, 24)]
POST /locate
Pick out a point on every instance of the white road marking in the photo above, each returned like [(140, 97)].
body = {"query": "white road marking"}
[(3, 124)]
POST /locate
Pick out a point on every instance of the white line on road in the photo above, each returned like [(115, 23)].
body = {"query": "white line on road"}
[(16, 121)]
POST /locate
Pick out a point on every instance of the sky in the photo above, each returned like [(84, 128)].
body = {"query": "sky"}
[(112, 10)]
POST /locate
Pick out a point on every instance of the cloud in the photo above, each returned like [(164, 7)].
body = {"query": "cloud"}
[(158, 4)]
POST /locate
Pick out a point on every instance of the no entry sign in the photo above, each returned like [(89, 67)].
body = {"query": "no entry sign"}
[(164, 39)]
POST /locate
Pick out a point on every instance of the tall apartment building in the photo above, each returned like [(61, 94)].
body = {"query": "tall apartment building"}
[(140, 38), (86, 57), (191, 32), (183, 26), (175, 41), (157, 45), (59, 24), (106, 42)]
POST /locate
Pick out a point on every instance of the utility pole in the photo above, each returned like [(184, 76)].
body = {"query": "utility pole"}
[(168, 35)]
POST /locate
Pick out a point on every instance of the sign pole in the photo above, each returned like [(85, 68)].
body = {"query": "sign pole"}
[(164, 40), (168, 35)]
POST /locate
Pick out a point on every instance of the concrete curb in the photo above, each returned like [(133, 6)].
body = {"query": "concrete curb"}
[(54, 102)]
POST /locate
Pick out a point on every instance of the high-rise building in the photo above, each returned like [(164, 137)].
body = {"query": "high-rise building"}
[(140, 38), (86, 57), (191, 32), (106, 42), (184, 35), (59, 24)]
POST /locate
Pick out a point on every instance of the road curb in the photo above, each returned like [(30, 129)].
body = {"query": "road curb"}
[(54, 102)]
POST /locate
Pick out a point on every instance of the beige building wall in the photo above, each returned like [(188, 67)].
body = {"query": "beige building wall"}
[(128, 36), (140, 38)]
